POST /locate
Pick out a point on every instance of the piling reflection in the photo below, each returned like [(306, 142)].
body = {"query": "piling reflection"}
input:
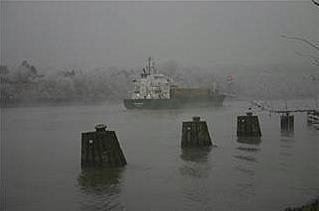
[(194, 173), (286, 153), (245, 170), (99, 178), (287, 139), (287, 133), (248, 158), (249, 140), (248, 145), (102, 187), (245, 165), (196, 162), (196, 154)]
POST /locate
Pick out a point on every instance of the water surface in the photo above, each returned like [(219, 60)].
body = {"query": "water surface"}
[(42, 158)]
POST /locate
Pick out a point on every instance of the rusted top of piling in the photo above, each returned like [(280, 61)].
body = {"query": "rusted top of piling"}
[(196, 119), (249, 112), (100, 127)]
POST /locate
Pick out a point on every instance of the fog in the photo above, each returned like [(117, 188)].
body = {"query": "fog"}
[(27, 84), (92, 50), (69, 113)]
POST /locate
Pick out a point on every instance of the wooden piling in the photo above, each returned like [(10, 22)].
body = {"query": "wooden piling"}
[(287, 122), (101, 149), (195, 134), (248, 126)]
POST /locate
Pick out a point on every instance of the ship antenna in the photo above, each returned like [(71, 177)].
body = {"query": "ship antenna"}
[(149, 65), (154, 67)]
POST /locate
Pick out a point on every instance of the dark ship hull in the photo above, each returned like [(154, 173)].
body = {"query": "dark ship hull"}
[(174, 103)]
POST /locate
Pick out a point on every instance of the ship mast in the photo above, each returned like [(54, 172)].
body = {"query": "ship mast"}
[(149, 64)]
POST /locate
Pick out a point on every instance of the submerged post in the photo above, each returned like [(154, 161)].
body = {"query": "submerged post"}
[(195, 134), (101, 148), (248, 126), (287, 122)]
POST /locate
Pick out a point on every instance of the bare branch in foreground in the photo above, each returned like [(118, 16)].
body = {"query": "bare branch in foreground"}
[(315, 2), (315, 58), (303, 40)]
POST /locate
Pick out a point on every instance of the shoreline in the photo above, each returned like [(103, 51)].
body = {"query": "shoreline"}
[(21, 103), (56, 103), (312, 205)]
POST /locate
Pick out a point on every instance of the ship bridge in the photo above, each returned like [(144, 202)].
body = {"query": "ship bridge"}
[(151, 85)]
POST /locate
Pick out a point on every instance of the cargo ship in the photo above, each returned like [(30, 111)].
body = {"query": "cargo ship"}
[(154, 90)]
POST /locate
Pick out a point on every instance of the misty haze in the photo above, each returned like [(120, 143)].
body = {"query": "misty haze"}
[(214, 105)]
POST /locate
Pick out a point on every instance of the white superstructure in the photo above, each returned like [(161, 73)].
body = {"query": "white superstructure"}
[(151, 85)]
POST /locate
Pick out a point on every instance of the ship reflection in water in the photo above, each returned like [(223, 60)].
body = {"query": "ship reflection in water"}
[(102, 188)]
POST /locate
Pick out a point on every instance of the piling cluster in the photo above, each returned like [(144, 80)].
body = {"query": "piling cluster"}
[(101, 148)]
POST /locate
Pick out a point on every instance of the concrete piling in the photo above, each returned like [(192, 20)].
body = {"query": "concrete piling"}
[(101, 148), (287, 122), (195, 134), (248, 126)]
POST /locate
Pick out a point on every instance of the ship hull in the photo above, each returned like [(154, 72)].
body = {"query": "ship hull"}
[(173, 103)]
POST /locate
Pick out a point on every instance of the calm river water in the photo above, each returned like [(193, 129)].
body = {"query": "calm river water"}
[(42, 161)]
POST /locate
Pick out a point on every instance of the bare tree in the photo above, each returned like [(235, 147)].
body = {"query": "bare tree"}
[(313, 45), (303, 40), (315, 2), (315, 58)]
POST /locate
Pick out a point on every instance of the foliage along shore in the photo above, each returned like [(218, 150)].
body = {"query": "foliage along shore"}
[(311, 206), (24, 84)]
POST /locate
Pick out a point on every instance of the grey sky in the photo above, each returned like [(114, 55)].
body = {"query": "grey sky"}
[(91, 34)]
